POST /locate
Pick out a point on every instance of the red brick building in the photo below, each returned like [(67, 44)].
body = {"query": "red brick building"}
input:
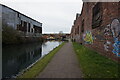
[(98, 27)]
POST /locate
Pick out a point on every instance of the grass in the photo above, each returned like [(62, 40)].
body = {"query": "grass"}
[(94, 65), (41, 64)]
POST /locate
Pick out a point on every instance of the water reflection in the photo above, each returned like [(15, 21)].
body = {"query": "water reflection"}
[(17, 58), (48, 46)]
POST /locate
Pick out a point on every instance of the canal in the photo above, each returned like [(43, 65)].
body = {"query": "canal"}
[(16, 58)]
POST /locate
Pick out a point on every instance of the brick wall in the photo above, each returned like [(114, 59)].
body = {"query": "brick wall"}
[(99, 28)]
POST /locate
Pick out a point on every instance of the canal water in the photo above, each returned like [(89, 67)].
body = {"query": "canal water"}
[(17, 58)]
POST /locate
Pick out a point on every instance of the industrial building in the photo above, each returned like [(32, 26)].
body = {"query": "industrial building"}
[(98, 27), (22, 23)]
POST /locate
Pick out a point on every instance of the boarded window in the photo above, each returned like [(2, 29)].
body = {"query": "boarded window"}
[(97, 17)]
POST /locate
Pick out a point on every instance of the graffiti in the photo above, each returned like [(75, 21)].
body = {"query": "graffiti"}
[(116, 46), (107, 34), (107, 30), (113, 30), (87, 37), (99, 36), (106, 45), (115, 27)]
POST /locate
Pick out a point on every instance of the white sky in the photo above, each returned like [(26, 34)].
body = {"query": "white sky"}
[(56, 15)]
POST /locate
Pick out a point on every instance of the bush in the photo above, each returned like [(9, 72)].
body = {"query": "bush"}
[(9, 35), (12, 36)]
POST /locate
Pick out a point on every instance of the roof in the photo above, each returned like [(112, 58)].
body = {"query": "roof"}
[(20, 13)]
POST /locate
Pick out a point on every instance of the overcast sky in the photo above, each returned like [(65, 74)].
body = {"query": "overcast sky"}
[(56, 15)]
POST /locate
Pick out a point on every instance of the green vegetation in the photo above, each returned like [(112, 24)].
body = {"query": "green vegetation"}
[(12, 36), (9, 35), (94, 65), (41, 64)]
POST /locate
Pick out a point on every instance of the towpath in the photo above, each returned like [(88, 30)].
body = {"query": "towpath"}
[(63, 65)]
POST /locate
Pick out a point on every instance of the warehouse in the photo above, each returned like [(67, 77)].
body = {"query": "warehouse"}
[(21, 22)]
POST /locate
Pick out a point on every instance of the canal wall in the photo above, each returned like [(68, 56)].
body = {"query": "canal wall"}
[(98, 27)]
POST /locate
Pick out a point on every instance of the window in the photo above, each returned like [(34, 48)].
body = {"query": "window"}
[(40, 29), (82, 27), (97, 17), (22, 23), (77, 29), (18, 15), (28, 27), (25, 26)]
